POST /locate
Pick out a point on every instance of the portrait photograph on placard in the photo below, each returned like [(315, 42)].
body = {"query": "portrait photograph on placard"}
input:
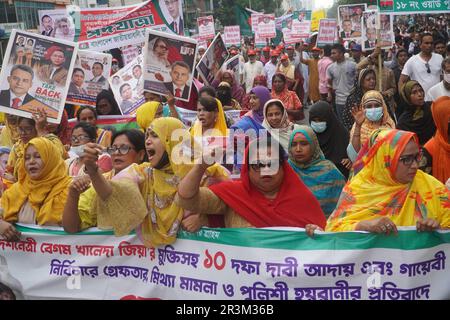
[(213, 59), (350, 20), (169, 62), (36, 75)]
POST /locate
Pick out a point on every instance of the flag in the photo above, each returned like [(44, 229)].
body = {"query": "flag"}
[(243, 20)]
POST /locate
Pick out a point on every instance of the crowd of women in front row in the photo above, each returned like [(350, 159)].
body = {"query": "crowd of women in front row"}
[(317, 177)]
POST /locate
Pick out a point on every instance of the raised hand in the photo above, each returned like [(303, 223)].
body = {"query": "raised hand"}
[(358, 114)]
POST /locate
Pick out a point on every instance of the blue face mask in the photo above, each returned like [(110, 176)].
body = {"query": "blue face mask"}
[(374, 114), (166, 111), (319, 127)]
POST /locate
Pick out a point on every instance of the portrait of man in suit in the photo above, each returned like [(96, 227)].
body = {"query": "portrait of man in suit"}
[(179, 72), (97, 71), (137, 74), (176, 19), (126, 93), (76, 85), (20, 80), (47, 24), (347, 29), (371, 35)]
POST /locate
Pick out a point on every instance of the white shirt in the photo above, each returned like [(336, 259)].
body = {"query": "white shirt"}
[(13, 96), (270, 69), (438, 91), (415, 68), (251, 70)]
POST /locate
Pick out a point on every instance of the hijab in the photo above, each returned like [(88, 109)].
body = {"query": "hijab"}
[(283, 132), (263, 95), (145, 114)]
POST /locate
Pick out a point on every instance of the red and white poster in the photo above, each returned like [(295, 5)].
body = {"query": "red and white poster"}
[(327, 32), (254, 20), (232, 35), (206, 29), (266, 26), (301, 29)]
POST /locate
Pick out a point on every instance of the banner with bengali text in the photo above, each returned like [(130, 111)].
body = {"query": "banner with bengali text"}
[(254, 264)]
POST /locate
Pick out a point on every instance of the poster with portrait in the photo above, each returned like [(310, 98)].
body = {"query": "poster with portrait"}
[(169, 62), (56, 24), (233, 64), (213, 59), (266, 26), (127, 85), (372, 21), (206, 29), (172, 11), (35, 74), (130, 52), (350, 20), (89, 77), (301, 24)]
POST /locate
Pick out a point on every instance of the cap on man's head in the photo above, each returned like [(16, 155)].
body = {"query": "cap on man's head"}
[(356, 47), (51, 50), (266, 49), (284, 57), (274, 53), (251, 52), (290, 48), (316, 49)]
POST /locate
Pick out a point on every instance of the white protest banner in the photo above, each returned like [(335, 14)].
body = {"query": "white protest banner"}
[(370, 26), (57, 24), (35, 74), (189, 116), (327, 32), (89, 77), (350, 20), (169, 62), (206, 29), (302, 29), (114, 41), (289, 37), (127, 85), (266, 26), (232, 36), (213, 59), (217, 264), (260, 41)]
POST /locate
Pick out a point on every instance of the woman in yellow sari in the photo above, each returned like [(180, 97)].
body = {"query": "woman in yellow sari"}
[(141, 196), (40, 194), (390, 191), (210, 119), (10, 134), (89, 115)]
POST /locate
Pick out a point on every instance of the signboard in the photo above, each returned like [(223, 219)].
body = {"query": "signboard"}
[(232, 36), (327, 32), (414, 6), (206, 29)]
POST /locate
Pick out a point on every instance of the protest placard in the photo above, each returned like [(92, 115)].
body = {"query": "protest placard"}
[(127, 85), (57, 24), (130, 52), (327, 32), (372, 21), (169, 64), (266, 26), (206, 29), (213, 59), (350, 20), (90, 76), (35, 74), (232, 36)]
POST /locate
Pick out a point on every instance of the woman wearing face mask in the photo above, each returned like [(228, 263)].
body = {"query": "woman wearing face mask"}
[(320, 175), (29, 129), (276, 121), (82, 134), (40, 195), (333, 137), (141, 197), (439, 146), (417, 116), (225, 97), (89, 115), (390, 191), (210, 119), (128, 147), (366, 81), (372, 114)]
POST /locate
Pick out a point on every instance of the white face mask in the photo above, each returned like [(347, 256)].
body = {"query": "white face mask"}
[(78, 150)]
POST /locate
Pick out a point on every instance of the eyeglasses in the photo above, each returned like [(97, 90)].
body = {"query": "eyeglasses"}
[(78, 139), (264, 164), (408, 160), (123, 149), (26, 130), (428, 67)]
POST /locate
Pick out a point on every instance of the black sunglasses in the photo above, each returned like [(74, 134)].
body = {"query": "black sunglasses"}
[(428, 67)]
